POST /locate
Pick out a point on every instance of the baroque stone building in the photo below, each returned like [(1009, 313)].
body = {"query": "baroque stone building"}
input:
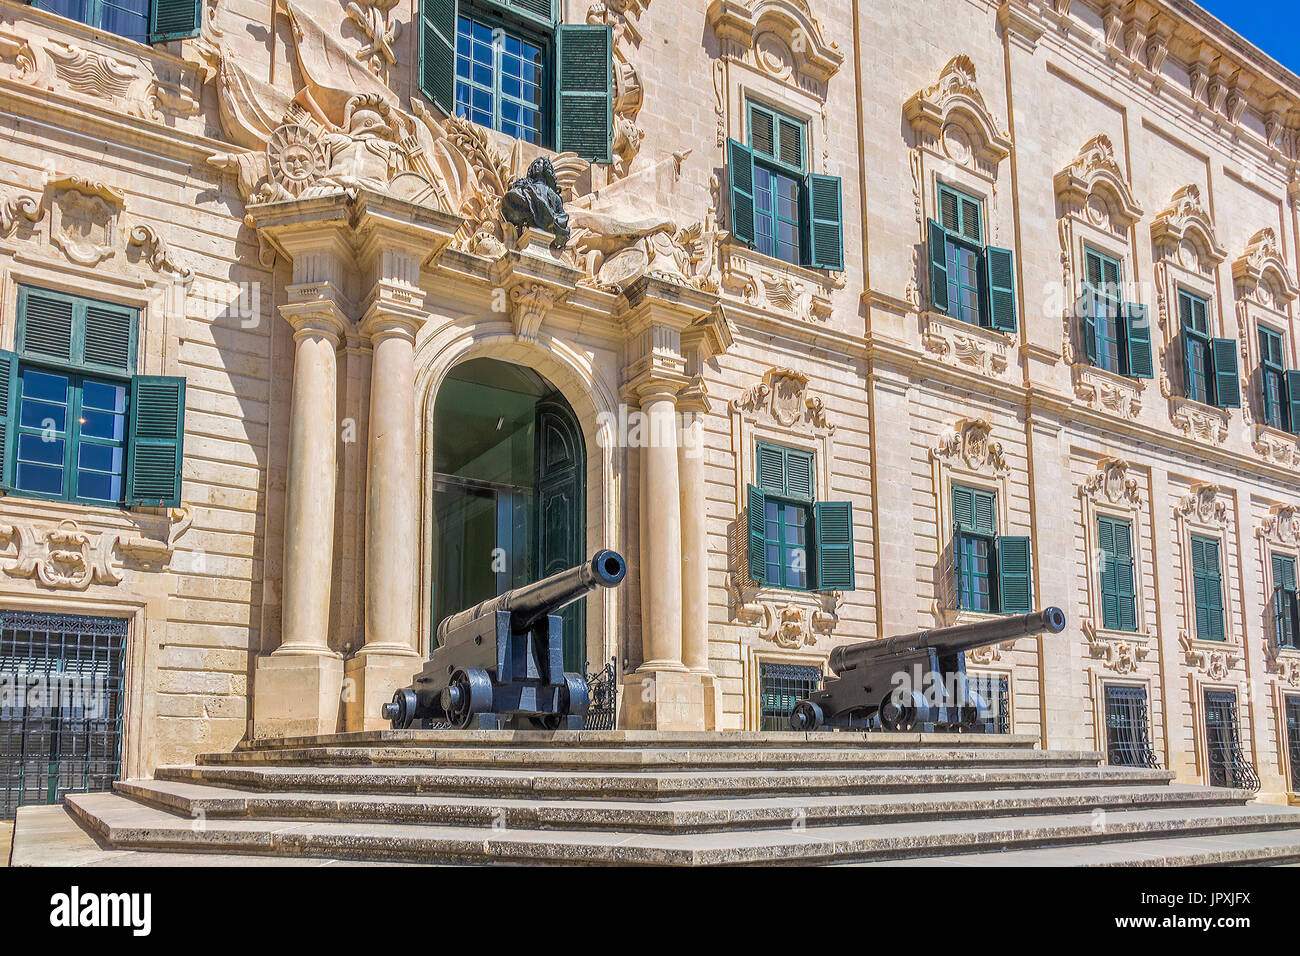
[(871, 317)]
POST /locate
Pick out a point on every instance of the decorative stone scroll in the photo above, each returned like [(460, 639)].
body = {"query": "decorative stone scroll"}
[(1261, 273), (1184, 231), (1213, 659), (1112, 484), (1093, 188), (784, 395), (1203, 505), (968, 442), (781, 37), (1281, 527), (1120, 654)]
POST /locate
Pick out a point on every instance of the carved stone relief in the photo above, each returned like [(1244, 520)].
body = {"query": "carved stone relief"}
[(951, 118), (967, 442), (1203, 504), (1112, 484), (84, 220), (784, 395)]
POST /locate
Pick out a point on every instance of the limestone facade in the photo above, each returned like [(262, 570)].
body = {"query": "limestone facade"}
[(314, 245)]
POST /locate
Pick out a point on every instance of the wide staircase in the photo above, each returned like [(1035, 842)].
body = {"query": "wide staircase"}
[(618, 797)]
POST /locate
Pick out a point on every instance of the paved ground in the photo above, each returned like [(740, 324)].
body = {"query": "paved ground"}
[(6, 838)]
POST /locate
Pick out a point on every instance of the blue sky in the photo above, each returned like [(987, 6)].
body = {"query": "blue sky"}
[(1269, 24)]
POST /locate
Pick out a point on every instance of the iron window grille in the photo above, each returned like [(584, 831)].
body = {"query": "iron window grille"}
[(1128, 728), (61, 719), (603, 692), (1293, 738), (780, 687), (1228, 765), (995, 689)]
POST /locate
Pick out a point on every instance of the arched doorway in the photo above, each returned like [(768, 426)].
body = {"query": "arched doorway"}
[(508, 490)]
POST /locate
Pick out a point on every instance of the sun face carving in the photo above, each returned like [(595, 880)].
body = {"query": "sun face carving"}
[(296, 156)]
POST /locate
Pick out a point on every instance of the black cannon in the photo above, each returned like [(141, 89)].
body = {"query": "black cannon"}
[(914, 679), (501, 662)]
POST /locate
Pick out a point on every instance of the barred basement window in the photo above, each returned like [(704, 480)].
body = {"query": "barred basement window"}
[(1228, 766), (61, 729), (146, 21), (1128, 728), (780, 687), (995, 689), (75, 424), (511, 66), (1293, 738)]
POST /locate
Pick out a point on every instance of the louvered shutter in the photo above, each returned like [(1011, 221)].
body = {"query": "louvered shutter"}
[(174, 19), (108, 337), (740, 171), (1293, 401), (541, 12), (798, 474), (1227, 389), (46, 324), (1015, 585), (790, 142), (938, 254), (156, 441), (755, 509), (834, 527), (1109, 573), (1087, 309), (971, 225), (769, 471), (762, 131), (949, 210), (824, 218), (963, 507), (437, 53), (585, 90), (1137, 331), (8, 415), (1000, 279), (1126, 598)]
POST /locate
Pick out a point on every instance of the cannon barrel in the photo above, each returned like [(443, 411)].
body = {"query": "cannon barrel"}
[(959, 637), (547, 596)]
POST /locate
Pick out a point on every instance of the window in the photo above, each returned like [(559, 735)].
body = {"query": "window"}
[(1209, 364), (995, 691), (508, 65), (1207, 588), (1227, 765), (1128, 729), (1293, 738), (1272, 378), (991, 572), (794, 541), (1118, 599), (75, 425), (1116, 334), (777, 206), (780, 687), (1285, 617), (141, 20), (969, 280)]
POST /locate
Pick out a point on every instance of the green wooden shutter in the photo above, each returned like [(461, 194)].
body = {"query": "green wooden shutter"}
[(985, 505), (834, 526), (798, 474), (825, 228), (437, 53), (755, 508), (740, 170), (762, 130), (1207, 589), (45, 324), (1284, 600), (156, 441), (1292, 381), (8, 415), (1227, 389), (1126, 597), (1086, 308), (769, 468), (963, 507), (1000, 278), (938, 254), (541, 12), (1109, 574), (949, 210), (1015, 584), (1284, 572), (1137, 334), (174, 19), (108, 337), (584, 70), (789, 142)]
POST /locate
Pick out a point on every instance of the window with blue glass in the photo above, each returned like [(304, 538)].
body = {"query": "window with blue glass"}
[(1209, 364), (1286, 618), (75, 423), (991, 572), (969, 280), (502, 76), (1272, 379), (147, 21), (1107, 302)]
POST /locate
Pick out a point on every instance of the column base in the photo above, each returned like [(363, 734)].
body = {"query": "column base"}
[(297, 695), (370, 681), (668, 700)]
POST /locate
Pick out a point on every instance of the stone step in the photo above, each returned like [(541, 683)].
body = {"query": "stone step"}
[(683, 758), (653, 784), (128, 824), (637, 739), (682, 816)]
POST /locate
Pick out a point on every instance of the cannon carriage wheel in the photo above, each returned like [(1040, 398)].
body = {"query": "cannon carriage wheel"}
[(469, 693), (897, 716)]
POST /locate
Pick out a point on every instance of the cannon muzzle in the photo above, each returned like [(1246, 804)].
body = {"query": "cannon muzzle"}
[(547, 596), (948, 640)]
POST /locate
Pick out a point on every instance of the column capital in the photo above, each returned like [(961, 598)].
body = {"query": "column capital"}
[(694, 396), (394, 310), (321, 315)]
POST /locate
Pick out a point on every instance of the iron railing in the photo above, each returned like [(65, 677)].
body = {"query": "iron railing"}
[(602, 688), (1128, 728), (780, 687), (61, 718), (995, 689), (1228, 766)]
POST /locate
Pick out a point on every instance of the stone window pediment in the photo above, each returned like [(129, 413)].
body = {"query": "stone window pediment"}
[(1260, 274), (783, 38), (1093, 189), (952, 119), (1184, 232)]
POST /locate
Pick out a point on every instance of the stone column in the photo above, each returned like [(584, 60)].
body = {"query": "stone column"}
[(389, 657), (692, 402), (661, 582), (296, 689)]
